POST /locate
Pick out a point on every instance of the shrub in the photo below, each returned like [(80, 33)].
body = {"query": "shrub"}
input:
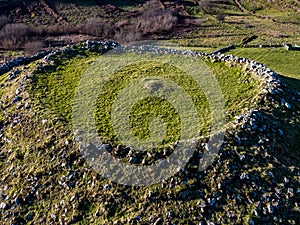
[(152, 4), (205, 5), (3, 21), (13, 36), (156, 20), (221, 17), (60, 29), (96, 27), (33, 47), (127, 34)]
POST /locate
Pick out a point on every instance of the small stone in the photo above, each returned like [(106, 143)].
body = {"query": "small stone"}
[(170, 213), (287, 105), (29, 216), (3, 206), (132, 160), (242, 157), (70, 175), (17, 99), (14, 123), (18, 200), (290, 191), (270, 174), (244, 176), (206, 146), (270, 209), (138, 218), (251, 222), (106, 187), (238, 140), (212, 202), (27, 106), (72, 198), (106, 147), (7, 215)]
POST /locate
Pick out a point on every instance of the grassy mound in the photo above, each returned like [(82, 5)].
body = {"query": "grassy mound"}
[(45, 180)]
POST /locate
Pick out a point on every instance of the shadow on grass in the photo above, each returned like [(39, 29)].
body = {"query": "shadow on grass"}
[(290, 121), (292, 82)]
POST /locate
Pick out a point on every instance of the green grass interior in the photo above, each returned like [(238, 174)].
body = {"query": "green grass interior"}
[(54, 90)]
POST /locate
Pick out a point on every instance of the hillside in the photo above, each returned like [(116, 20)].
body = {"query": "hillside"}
[(196, 23)]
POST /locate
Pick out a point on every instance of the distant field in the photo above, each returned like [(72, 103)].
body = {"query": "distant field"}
[(286, 63)]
